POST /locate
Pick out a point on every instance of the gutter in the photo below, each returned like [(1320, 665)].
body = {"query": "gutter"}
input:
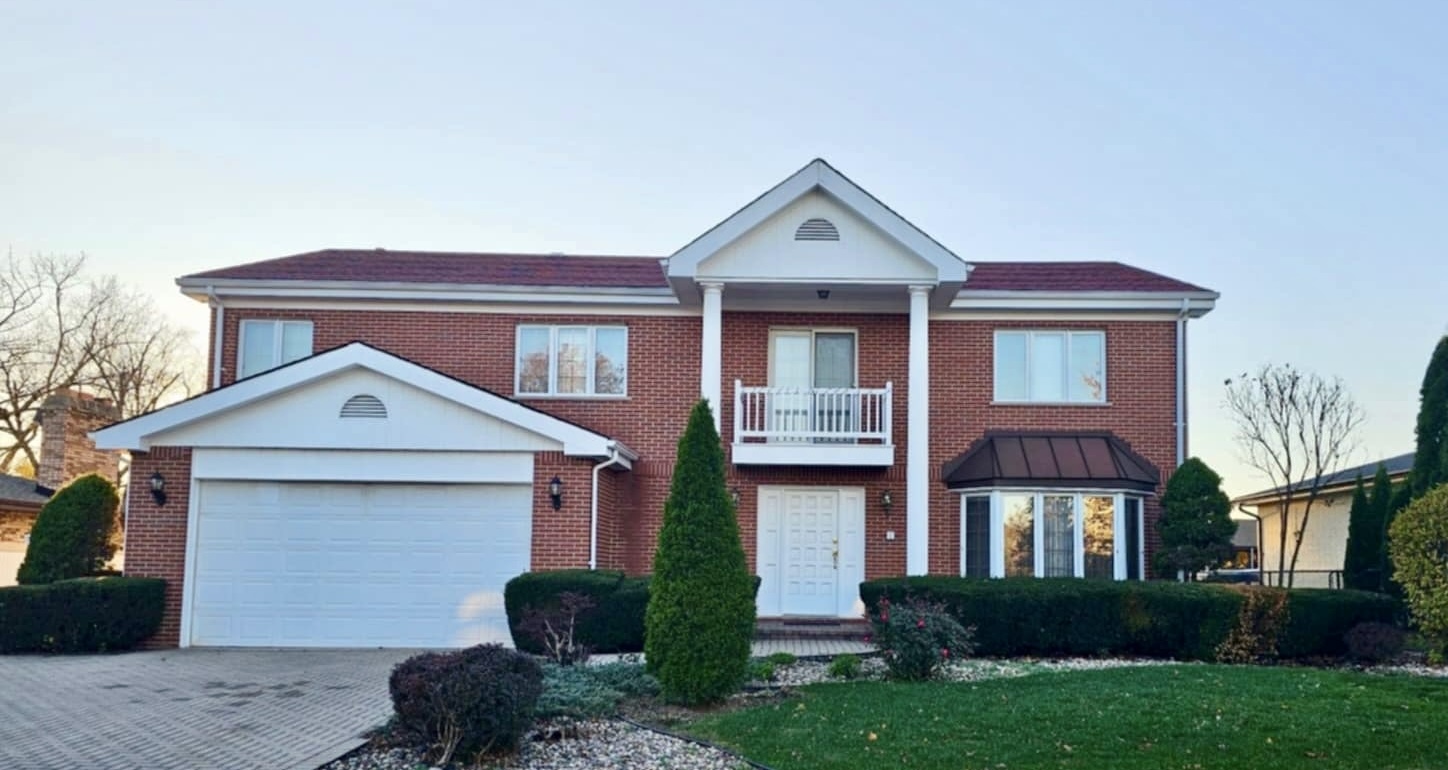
[(218, 337), (1181, 389), (615, 458)]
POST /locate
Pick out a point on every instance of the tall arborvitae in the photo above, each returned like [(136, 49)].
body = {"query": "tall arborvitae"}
[(1364, 543), (1430, 460)]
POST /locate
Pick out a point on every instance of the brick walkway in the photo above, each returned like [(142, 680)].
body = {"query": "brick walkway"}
[(222, 709)]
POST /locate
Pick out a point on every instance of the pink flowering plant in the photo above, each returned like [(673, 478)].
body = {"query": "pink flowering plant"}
[(917, 638)]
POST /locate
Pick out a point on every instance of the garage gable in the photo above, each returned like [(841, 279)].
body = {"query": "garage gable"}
[(356, 397)]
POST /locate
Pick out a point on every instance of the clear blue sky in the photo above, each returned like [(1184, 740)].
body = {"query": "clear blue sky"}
[(1292, 155)]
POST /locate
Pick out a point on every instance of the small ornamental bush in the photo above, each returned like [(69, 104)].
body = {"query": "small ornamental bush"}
[(1418, 540), (700, 617), (1196, 521), (782, 658), (1374, 642), (588, 692), (1260, 624), (466, 703), (917, 638), (72, 534), (554, 628), (846, 666), (760, 671)]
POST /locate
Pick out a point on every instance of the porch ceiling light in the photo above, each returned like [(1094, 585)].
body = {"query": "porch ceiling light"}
[(158, 488), (555, 492), (822, 293)]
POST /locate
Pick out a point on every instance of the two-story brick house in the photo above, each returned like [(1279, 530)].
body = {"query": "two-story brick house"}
[(391, 435)]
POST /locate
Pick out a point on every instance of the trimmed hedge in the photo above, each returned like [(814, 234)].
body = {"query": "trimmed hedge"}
[(82, 615), (1067, 616), (616, 622)]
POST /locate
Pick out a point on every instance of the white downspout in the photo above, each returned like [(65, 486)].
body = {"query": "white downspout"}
[(220, 335), (1181, 389), (593, 516)]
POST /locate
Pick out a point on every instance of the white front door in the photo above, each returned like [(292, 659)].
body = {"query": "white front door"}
[(811, 550)]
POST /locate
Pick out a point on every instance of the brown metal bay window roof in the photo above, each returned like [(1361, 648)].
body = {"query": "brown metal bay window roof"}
[(1052, 460)]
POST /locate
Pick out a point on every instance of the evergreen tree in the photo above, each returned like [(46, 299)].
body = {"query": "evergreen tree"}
[(1364, 542), (700, 618), (72, 534), (1430, 460), (1196, 521)]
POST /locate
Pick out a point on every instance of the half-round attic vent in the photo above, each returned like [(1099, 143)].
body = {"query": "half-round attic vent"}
[(817, 230), (364, 406)]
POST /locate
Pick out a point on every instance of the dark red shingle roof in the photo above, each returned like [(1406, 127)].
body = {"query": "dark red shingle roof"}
[(1070, 276), (388, 266)]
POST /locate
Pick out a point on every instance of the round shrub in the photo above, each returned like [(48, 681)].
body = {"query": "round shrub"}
[(846, 666), (72, 535), (1418, 541), (918, 638), (1374, 642), (466, 703)]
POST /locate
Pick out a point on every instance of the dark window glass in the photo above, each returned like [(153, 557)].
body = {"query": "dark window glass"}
[(1133, 538), (977, 536)]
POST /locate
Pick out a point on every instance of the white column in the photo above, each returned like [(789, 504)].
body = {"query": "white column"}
[(711, 367), (917, 449)]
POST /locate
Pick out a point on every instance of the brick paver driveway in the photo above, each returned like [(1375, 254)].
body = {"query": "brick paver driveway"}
[(264, 709)]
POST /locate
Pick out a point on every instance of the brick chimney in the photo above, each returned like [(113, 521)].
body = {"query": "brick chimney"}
[(66, 451)]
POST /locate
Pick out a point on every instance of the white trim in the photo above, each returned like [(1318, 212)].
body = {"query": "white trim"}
[(1052, 316), (711, 350), (1198, 304), (590, 363), (218, 319), (347, 466), (188, 570), (142, 433), (873, 455), (917, 440), (593, 510), (1181, 385), (455, 292), (538, 307)]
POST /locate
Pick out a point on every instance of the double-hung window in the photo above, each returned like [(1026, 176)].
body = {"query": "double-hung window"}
[(572, 361), (268, 344), (1050, 367)]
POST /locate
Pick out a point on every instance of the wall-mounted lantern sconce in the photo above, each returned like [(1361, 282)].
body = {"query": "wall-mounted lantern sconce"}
[(158, 488), (734, 496), (555, 492), (822, 293), (886, 501)]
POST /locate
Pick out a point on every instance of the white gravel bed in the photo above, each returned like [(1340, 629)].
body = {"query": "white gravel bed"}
[(1414, 669), (807, 672), (604, 744)]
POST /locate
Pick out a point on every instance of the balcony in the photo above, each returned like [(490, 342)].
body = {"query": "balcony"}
[(813, 426)]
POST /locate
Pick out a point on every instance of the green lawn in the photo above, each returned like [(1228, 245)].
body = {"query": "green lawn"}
[(1192, 717)]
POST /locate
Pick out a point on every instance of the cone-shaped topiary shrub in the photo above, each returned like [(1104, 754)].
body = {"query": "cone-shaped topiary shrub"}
[(1196, 521), (700, 617), (72, 535)]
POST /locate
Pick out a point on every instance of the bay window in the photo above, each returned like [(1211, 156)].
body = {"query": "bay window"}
[(1055, 533)]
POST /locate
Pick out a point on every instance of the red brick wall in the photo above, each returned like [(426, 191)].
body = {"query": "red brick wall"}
[(156, 534), (1140, 388), (663, 384)]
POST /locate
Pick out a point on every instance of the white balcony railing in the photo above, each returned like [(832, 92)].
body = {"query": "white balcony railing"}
[(812, 415)]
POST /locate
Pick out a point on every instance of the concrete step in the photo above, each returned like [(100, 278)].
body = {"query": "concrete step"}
[(854, 630)]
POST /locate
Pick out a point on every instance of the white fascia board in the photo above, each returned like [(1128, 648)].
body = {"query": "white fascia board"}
[(1198, 303), (421, 292), (137, 434), (684, 263), (460, 306)]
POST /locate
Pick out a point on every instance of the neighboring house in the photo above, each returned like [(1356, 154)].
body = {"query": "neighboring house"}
[(1324, 541), (391, 435), (66, 451)]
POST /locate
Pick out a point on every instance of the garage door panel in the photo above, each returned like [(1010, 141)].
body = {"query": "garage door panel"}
[(306, 564)]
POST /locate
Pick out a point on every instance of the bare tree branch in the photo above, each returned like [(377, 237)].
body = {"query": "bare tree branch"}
[(1297, 429)]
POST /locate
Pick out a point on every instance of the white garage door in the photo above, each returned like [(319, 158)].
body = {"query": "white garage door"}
[(356, 565)]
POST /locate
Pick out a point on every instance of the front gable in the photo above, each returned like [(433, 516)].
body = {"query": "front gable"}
[(357, 397), (357, 408), (817, 239)]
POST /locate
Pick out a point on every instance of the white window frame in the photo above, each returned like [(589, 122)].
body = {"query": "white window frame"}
[(277, 325), (813, 332), (1118, 528), (591, 357), (1030, 335)]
